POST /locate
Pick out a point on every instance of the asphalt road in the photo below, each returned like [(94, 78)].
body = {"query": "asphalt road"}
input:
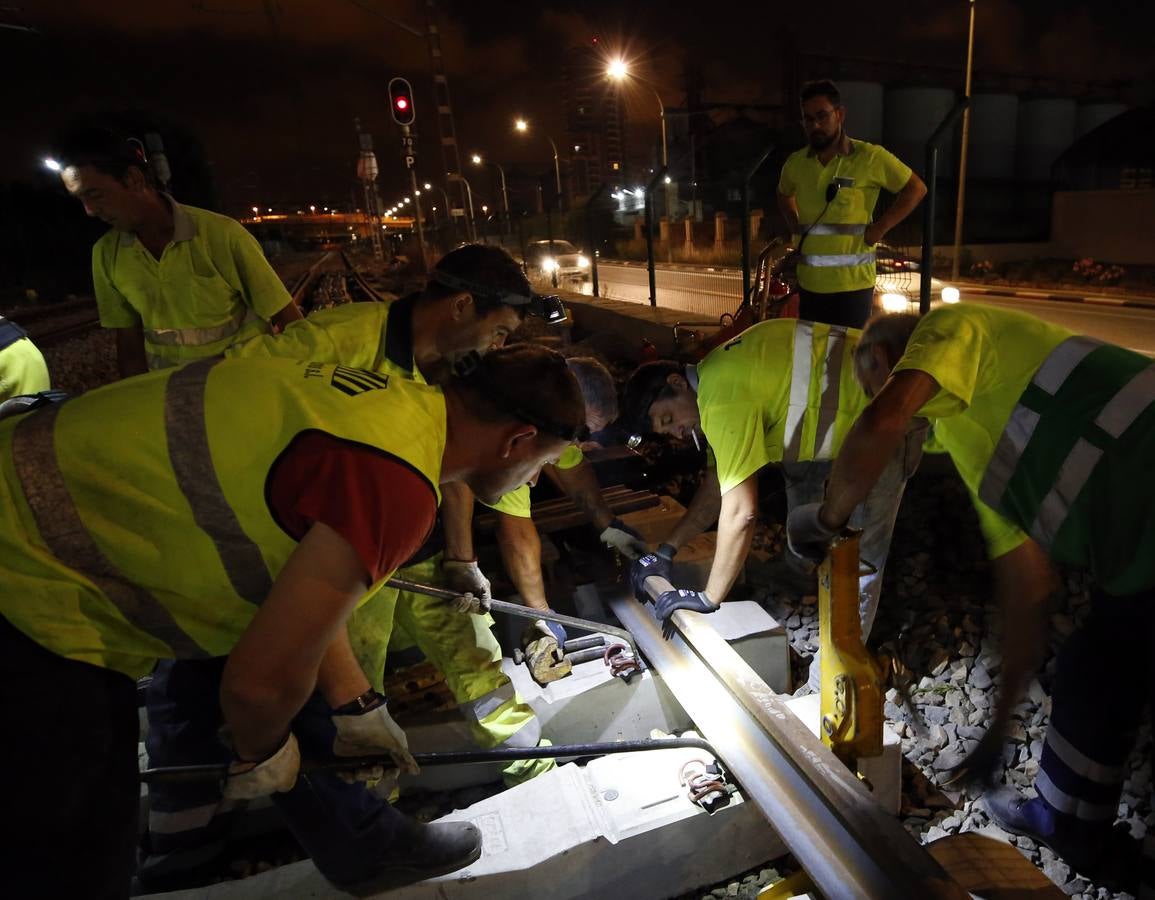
[(709, 294)]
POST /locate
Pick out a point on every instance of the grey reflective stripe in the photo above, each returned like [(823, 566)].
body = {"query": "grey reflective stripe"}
[(68, 538), (1020, 427), (821, 260), (831, 228), (1072, 478), (528, 735), (1073, 806), (828, 395), (799, 391), (191, 460), (1081, 764), (1124, 408), (196, 337), (487, 704), (1016, 435)]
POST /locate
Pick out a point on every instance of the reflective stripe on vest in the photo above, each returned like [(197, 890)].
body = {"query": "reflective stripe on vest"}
[(1116, 415), (68, 539), (198, 337), (828, 398), (831, 228), (191, 460), (822, 260)]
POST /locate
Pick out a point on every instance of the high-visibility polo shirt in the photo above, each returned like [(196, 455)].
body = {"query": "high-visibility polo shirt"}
[(781, 391), (211, 287), (834, 257), (517, 502), (22, 366), (981, 364), (374, 336)]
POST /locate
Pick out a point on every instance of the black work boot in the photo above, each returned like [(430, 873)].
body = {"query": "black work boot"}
[(419, 852), (1108, 857)]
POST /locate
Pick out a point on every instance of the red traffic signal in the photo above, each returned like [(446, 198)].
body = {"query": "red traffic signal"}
[(401, 101)]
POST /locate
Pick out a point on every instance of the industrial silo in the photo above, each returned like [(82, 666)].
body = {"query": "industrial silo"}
[(1093, 113), (994, 125), (910, 116), (1046, 129), (863, 102)]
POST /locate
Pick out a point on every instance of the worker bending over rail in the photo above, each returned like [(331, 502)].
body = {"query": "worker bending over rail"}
[(22, 366), (163, 518), (781, 392), (174, 282), (1053, 434)]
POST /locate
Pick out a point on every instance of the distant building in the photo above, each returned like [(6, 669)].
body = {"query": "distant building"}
[(595, 123)]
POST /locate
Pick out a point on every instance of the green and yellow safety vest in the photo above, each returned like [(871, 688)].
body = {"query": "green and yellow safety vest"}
[(134, 523)]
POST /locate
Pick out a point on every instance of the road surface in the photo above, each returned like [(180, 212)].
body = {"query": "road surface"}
[(706, 294)]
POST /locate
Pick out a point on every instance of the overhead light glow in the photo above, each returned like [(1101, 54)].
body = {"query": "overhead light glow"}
[(51, 165), (521, 125), (617, 69)]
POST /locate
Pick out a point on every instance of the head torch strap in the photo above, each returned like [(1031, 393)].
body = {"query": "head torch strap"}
[(547, 307)]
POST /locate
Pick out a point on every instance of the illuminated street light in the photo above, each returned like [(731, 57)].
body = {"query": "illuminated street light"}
[(312, 209), (484, 208), (618, 69), (478, 161), (51, 165), (523, 126), (427, 186), (256, 212)]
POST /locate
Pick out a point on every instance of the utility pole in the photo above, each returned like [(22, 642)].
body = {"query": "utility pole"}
[(962, 158)]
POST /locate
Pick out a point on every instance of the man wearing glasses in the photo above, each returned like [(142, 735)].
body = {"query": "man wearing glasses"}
[(827, 193)]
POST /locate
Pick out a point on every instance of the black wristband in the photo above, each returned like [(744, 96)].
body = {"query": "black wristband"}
[(666, 551), (367, 701)]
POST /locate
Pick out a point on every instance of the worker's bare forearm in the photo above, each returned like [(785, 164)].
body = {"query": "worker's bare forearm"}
[(581, 485), (701, 513), (520, 547), (340, 677), (290, 312), (457, 520), (736, 521), (789, 209), (873, 439), (904, 204)]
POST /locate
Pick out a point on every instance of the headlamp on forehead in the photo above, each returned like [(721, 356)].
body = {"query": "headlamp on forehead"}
[(548, 307)]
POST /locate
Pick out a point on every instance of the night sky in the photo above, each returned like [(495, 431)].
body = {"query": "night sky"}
[(270, 87)]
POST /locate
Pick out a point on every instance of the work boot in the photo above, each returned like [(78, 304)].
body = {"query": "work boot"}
[(419, 852), (1109, 857)]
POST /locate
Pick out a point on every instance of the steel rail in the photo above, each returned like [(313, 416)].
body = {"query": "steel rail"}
[(848, 845)]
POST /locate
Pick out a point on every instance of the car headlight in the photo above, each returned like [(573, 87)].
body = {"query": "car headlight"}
[(950, 294), (583, 263), (895, 303), (548, 264)]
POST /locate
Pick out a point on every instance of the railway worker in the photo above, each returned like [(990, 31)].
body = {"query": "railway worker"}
[(781, 392), (420, 338), (213, 527), (827, 193), (22, 366), (1053, 434), (175, 283)]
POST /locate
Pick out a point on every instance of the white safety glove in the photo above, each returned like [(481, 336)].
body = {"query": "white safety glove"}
[(619, 536), (373, 732), (273, 774), (465, 575)]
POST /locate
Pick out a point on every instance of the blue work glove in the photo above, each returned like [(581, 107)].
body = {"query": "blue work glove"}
[(657, 563), (540, 628), (621, 537), (806, 536), (695, 601)]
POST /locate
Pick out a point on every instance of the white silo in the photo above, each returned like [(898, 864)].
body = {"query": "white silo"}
[(863, 102), (910, 116), (1046, 129), (994, 125)]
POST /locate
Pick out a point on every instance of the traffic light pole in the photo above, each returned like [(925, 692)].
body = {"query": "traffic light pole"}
[(416, 205)]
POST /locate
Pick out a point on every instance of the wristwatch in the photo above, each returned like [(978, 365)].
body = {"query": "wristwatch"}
[(371, 699)]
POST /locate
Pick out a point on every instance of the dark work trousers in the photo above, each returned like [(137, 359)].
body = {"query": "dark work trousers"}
[(68, 760), (345, 828), (1104, 678), (849, 308)]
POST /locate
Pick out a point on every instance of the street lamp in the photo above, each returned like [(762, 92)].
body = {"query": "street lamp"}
[(523, 126), (619, 70), (478, 161)]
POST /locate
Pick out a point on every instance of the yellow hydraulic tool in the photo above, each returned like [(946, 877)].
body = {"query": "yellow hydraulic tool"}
[(851, 684)]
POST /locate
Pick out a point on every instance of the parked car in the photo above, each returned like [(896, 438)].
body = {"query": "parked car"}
[(565, 259), (899, 281)]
